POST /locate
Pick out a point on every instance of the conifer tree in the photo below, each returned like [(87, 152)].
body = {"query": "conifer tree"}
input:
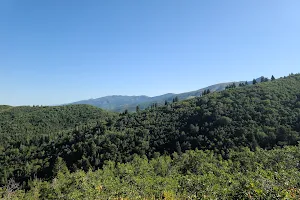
[(60, 166), (272, 78), (175, 99), (254, 82), (178, 148)]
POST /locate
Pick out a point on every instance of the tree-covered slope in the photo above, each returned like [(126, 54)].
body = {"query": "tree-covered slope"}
[(4, 107), (24, 129), (27, 120), (263, 115), (170, 97), (263, 174)]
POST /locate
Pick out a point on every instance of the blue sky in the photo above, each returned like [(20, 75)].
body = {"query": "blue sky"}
[(55, 51)]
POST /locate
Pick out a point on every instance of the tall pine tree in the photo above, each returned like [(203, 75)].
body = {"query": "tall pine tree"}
[(272, 78)]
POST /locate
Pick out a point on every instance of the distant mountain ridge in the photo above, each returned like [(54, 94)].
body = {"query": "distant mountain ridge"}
[(120, 103)]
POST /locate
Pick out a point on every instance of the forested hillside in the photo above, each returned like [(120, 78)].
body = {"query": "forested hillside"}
[(24, 130), (263, 174), (27, 121), (264, 115)]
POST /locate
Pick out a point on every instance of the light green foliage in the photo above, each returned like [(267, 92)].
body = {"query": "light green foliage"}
[(263, 174)]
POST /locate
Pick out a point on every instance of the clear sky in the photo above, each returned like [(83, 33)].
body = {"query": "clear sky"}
[(60, 51)]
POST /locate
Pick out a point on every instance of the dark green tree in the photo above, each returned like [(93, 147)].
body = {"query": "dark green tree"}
[(178, 148), (166, 102), (205, 92), (175, 99), (272, 78)]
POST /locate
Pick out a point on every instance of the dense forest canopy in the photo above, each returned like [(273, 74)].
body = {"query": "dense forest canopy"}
[(259, 117), (27, 121), (265, 174)]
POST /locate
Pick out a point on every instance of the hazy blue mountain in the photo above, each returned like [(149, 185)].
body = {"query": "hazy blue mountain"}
[(114, 102), (119, 103)]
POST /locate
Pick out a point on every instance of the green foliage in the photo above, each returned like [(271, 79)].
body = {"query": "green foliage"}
[(254, 82), (137, 109), (273, 78), (39, 142), (60, 167), (175, 99), (205, 92), (263, 174), (28, 134), (18, 123), (233, 85), (264, 79)]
